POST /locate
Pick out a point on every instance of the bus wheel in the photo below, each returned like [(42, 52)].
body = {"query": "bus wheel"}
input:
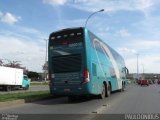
[(108, 91), (103, 94)]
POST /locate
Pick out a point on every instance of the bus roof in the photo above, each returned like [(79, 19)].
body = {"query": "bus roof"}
[(66, 29)]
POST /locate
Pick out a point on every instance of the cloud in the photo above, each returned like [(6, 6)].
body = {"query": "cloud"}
[(1, 13), (30, 53), (123, 33), (9, 18), (109, 5), (55, 2), (115, 5), (144, 45), (150, 26), (28, 31), (149, 63), (140, 46), (127, 50), (148, 51)]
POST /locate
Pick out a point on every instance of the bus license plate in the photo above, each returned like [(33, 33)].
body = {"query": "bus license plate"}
[(66, 90)]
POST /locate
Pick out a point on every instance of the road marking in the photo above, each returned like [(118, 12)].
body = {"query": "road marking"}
[(101, 109), (89, 117), (93, 114)]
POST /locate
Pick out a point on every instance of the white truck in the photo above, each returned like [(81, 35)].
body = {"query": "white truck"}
[(11, 78)]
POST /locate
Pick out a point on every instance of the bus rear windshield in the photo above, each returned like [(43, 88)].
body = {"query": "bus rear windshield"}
[(67, 63)]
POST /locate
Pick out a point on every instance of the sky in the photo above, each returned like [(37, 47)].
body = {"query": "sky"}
[(131, 27)]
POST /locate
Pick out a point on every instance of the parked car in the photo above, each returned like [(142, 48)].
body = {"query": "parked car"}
[(144, 82), (139, 82), (153, 81), (150, 81), (158, 81)]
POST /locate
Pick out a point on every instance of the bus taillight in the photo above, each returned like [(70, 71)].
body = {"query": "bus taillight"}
[(49, 76), (86, 76)]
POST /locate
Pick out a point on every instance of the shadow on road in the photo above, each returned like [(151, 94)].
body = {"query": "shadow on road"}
[(54, 100)]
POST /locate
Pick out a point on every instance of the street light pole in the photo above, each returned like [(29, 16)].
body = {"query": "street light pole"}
[(137, 67), (143, 71), (92, 15), (143, 68)]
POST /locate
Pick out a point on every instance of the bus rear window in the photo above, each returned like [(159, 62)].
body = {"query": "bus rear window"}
[(66, 39)]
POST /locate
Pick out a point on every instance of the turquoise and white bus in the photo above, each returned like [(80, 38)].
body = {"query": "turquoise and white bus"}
[(82, 64)]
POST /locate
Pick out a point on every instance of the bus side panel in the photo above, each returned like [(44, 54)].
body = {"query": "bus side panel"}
[(94, 83), (102, 57), (94, 64)]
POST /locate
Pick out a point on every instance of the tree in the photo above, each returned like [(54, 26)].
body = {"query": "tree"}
[(1, 62), (33, 75), (14, 64), (45, 68)]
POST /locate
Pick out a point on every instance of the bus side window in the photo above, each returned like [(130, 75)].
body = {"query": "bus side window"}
[(94, 69)]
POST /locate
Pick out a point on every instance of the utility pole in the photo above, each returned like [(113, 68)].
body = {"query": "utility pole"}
[(45, 64), (137, 67), (143, 71)]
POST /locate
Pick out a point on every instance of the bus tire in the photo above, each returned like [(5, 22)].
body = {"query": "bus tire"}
[(103, 93), (108, 90)]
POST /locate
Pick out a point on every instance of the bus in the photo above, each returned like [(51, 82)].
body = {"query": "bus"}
[(80, 63)]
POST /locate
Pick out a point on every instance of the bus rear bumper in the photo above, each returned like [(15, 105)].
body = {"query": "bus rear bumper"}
[(69, 91)]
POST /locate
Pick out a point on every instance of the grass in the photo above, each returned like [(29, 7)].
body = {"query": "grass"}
[(39, 83), (27, 96)]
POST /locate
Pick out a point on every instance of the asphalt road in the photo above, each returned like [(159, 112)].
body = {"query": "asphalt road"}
[(135, 99), (32, 88)]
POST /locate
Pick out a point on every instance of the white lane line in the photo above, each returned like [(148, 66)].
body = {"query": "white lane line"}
[(101, 109)]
